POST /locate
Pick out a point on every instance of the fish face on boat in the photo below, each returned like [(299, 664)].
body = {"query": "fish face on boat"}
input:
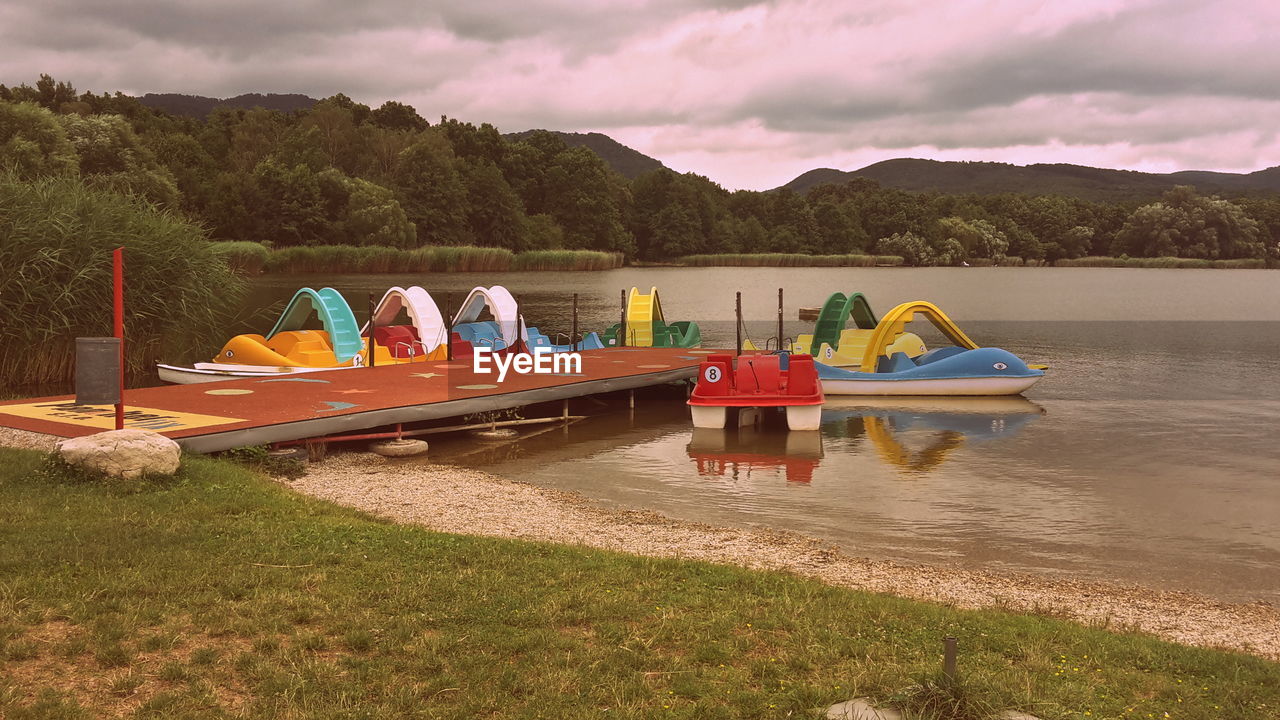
[(982, 362)]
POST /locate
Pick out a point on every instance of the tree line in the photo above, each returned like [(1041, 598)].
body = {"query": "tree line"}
[(345, 173)]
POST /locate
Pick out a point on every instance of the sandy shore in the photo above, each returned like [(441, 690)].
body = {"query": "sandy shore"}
[(466, 501)]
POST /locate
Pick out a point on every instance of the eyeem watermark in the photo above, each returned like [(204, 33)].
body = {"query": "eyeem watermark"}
[(542, 362)]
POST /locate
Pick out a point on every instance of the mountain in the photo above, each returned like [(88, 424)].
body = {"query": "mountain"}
[(988, 178), (627, 162), (199, 106)]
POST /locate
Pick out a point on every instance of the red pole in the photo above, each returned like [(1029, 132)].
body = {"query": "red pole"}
[(118, 276)]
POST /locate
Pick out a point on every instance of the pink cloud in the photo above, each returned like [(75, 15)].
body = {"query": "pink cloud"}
[(749, 94)]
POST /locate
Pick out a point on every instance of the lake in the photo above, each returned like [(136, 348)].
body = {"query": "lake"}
[(1148, 455)]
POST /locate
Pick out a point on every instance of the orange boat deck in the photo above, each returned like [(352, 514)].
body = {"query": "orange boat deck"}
[(208, 417)]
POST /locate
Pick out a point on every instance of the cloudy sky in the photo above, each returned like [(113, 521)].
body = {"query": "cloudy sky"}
[(748, 93)]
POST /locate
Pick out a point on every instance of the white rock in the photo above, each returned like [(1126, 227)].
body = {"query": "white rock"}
[(861, 709), (123, 453)]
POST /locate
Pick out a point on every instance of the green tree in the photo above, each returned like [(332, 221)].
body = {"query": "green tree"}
[(913, 249), (587, 200), (1184, 224), (256, 136), (48, 93), (837, 228), (287, 207), (542, 233), (392, 115), (363, 213), (335, 121), (33, 143), (495, 215), (977, 238), (431, 193), (385, 147), (112, 156)]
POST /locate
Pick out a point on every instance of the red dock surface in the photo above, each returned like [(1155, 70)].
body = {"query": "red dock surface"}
[(207, 417)]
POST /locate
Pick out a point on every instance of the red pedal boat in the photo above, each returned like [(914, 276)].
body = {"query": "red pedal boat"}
[(757, 381)]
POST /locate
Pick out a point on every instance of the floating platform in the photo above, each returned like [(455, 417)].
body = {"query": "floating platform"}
[(208, 417)]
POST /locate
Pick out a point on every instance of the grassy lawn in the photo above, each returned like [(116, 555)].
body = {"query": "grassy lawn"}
[(221, 594)]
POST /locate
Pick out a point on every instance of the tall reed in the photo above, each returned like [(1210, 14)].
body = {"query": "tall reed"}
[(243, 256), (567, 260), (1162, 262), (788, 260), (55, 278), (376, 259)]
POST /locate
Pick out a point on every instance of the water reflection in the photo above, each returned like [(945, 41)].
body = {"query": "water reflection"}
[(913, 436), (736, 453), (917, 435)]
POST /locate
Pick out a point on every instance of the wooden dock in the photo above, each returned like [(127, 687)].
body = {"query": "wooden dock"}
[(208, 417)]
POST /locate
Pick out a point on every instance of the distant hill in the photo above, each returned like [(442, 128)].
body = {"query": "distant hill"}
[(627, 162), (987, 178), (198, 106)]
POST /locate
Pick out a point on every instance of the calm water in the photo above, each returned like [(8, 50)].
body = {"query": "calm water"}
[(1148, 455)]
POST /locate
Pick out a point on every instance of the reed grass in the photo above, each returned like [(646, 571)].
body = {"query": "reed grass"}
[(243, 256), (788, 260), (1162, 262), (374, 259), (56, 278), (567, 260), (1007, 261), (464, 259)]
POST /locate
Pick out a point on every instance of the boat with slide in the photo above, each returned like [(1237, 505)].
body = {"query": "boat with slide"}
[(646, 327), (962, 369), (506, 330), (291, 348), (834, 344)]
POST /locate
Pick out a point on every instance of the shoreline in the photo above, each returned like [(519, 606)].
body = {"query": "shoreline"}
[(471, 502)]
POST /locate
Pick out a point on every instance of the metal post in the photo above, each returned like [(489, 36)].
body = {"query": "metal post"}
[(448, 326), (622, 324), (564, 409), (949, 658), (117, 273), (631, 398), (574, 336), (780, 319), (372, 354), (737, 324)]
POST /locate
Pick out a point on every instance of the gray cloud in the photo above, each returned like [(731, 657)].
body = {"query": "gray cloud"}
[(796, 81)]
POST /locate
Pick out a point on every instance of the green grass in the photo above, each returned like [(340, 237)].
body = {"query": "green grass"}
[(220, 593), (1162, 262), (788, 260)]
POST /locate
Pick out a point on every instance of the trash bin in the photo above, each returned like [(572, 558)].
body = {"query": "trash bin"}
[(97, 370)]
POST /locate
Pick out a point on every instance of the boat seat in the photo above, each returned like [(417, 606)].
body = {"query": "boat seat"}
[(768, 372), (937, 354), (537, 338), (802, 375), (399, 340), (481, 334), (896, 362)]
